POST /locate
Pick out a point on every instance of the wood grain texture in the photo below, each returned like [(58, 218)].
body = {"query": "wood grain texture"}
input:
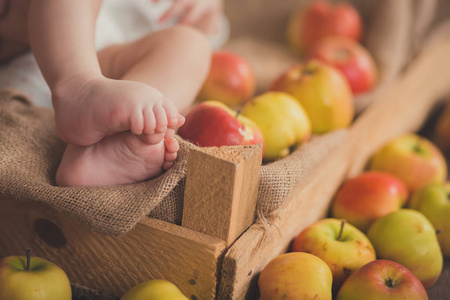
[(401, 108), (262, 242), (112, 265), (220, 195)]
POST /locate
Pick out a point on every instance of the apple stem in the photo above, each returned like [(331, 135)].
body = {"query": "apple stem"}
[(238, 113), (342, 229), (417, 148), (28, 258), (389, 283), (438, 231)]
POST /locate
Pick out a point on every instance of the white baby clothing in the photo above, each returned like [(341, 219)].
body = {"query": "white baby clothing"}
[(118, 21)]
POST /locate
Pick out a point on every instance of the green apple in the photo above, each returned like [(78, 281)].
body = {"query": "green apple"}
[(341, 245), (282, 120), (434, 202), (413, 159), (407, 237), (294, 276), (323, 91), (380, 280), (32, 278), (157, 289)]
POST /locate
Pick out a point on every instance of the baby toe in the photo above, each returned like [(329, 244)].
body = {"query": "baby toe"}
[(149, 120), (161, 118), (172, 114), (172, 145)]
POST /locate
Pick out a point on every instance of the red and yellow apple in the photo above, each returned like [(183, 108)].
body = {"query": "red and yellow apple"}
[(382, 279), (319, 19), (351, 58), (32, 278), (370, 195), (433, 201), (282, 120), (213, 124), (322, 90), (341, 245), (294, 276), (230, 80), (408, 238), (157, 289), (413, 159)]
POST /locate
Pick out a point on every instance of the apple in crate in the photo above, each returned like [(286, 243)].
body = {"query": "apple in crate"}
[(351, 58), (282, 120), (413, 159), (157, 289), (322, 90), (319, 19), (407, 237), (370, 195), (230, 80), (342, 246), (433, 202), (32, 278), (294, 276), (382, 279), (213, 124)]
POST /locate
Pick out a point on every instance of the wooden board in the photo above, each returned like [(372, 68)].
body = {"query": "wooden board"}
[(112, 265)]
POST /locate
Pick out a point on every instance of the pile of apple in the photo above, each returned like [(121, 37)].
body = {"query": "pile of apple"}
[(385, 238), (314, 96)]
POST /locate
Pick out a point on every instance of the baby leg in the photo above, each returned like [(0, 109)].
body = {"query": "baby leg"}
[(175, 62)]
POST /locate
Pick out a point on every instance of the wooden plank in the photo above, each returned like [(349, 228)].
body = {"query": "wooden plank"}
[(220, 195), (405, 106), (112, 265), (260, 243), (401, 107)]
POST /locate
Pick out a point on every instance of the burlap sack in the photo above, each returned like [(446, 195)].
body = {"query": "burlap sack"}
[(31, 151)]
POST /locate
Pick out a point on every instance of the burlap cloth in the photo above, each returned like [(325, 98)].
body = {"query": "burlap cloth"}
[(31, 151)]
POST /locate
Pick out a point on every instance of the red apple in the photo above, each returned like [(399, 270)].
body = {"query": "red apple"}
[(351, 58), (382, 279), (230, 80), (322, 90), (319, 19), (363, 199), (213, 124), (413, 159)]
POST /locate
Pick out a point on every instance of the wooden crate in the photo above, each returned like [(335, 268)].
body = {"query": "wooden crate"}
[(219, 250)]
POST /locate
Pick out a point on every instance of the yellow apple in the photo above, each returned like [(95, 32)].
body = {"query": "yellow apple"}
[(413, 159), (408, 238), (32, 278), (157, 289), (282, 120), (340, 245), (433, 202), (294, 276), (323, 91)]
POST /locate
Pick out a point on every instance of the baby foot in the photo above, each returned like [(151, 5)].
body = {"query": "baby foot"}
[(121, 158), (87, 110)]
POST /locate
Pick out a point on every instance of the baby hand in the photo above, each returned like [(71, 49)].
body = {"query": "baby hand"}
[(201, 14)]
